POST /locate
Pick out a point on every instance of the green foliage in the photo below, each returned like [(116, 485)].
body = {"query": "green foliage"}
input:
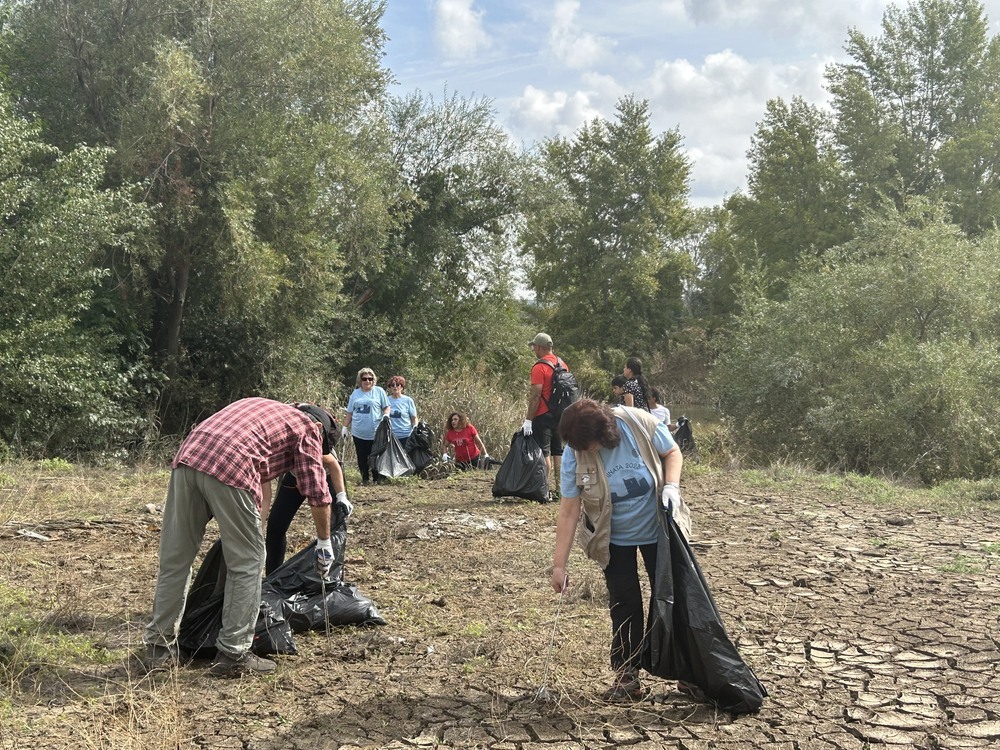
[(609, 205), (883, 358), (446, 292), (63, 385), (912, 104), (254, 131), (798, 201)]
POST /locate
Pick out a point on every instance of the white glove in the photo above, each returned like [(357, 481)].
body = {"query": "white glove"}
[(526, 427), (343, 432), (671, 496), (346, 504), (324, 557)]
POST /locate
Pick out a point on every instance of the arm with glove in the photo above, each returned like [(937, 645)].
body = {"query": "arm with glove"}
[(670, 495)]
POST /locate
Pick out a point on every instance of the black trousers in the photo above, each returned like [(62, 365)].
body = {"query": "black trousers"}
[(627, 606), (286, 503), (364, 449)]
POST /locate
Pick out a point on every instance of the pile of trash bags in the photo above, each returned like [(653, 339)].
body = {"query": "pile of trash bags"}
[(292, 602)]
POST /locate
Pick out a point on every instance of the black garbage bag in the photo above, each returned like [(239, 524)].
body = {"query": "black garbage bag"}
[(686, 639), (684, 437), (388, 457), (420, 447), (523, 471), (344, 606), (201, 623), (291, 594)]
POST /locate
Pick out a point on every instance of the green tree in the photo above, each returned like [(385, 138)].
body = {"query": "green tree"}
[(883, 358), (64, 386), (253, 129), (600, 234), (447, 290), (931, 78), (797, 203)]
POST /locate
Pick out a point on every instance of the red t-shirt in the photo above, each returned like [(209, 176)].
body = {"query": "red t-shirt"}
[(464, 442), (541, 374)]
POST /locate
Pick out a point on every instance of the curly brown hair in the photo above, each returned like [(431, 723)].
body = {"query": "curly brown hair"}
[(463, 421), (587, 422)]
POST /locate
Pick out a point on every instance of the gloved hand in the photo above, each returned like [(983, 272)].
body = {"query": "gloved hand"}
[(526, 427), (344, 503), (344, 433), (670, 497), (324, 557)]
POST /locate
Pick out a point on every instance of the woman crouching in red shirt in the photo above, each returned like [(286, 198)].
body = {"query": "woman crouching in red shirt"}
[(464, 439)]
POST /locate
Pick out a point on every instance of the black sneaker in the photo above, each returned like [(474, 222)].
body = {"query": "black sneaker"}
[(248, 663)]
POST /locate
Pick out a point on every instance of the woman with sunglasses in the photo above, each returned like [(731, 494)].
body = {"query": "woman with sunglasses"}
[(402, 410), (365, 409)]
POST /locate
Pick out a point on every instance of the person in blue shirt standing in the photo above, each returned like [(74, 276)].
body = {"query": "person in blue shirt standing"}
[(366, 407), (402, 410)]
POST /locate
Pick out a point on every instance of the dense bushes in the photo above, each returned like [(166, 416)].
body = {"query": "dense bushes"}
[(882, 359)]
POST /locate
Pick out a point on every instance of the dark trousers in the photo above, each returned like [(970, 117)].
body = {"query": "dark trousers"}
[(627, 606), (286, 503), (364, 449)]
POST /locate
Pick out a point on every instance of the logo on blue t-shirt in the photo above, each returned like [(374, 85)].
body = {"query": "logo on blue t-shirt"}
[(364, 408), (635, 487), (395, 414)]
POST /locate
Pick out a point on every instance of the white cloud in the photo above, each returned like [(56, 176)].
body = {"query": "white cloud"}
[(716, 107), (541, 113), (571, 45), (459, 28)]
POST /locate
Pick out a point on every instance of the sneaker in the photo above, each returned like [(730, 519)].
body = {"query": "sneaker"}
[(247, 663), (625, 689), (158, 657)]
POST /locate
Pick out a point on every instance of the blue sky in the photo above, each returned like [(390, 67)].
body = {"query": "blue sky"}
[(707, 67)]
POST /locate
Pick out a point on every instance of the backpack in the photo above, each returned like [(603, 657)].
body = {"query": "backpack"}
[(565, 389)]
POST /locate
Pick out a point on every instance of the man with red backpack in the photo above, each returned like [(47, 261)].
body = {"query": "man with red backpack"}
[(542, 422)]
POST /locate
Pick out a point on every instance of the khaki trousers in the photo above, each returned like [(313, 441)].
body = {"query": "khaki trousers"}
[(193, 499)]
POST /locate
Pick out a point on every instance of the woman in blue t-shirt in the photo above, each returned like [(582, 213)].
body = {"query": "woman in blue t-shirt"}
[(402, 410), (628, 506), (366, 407)]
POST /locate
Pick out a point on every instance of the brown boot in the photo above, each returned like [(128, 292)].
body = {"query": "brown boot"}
[(626, 688)]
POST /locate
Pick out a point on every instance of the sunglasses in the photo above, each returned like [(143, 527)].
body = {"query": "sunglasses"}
[(395, 385), (367, 378)]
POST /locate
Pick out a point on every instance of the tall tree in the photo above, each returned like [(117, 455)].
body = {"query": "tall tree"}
[(64, 387), (248, 126), (447, 290), (797, 200), (611, 201), (932, 77)]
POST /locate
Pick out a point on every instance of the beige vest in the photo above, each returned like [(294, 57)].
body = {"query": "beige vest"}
[(593, 531)]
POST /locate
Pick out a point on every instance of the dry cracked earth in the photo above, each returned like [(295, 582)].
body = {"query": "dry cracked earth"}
[(870, 627)]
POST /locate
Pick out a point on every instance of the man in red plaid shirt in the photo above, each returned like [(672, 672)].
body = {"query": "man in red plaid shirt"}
[(223, 470)]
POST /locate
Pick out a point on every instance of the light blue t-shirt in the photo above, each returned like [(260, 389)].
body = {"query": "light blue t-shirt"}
[(633, 488), (366, 411), (402, 412)]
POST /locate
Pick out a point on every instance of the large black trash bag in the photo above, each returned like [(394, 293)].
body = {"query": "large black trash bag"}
[(686, 639), (523, 471), (284, 594), (420, 447), (302, 602), (203, 614), (388, 457)]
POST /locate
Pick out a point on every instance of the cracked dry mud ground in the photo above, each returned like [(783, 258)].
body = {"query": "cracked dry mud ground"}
[(871, 626)]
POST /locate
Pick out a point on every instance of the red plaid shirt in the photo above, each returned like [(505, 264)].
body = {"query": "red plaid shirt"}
[(255, 440)]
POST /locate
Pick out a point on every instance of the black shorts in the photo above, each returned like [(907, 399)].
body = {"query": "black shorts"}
[(544, 430)]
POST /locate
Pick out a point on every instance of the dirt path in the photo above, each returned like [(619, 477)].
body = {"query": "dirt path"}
[(869, 627)]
